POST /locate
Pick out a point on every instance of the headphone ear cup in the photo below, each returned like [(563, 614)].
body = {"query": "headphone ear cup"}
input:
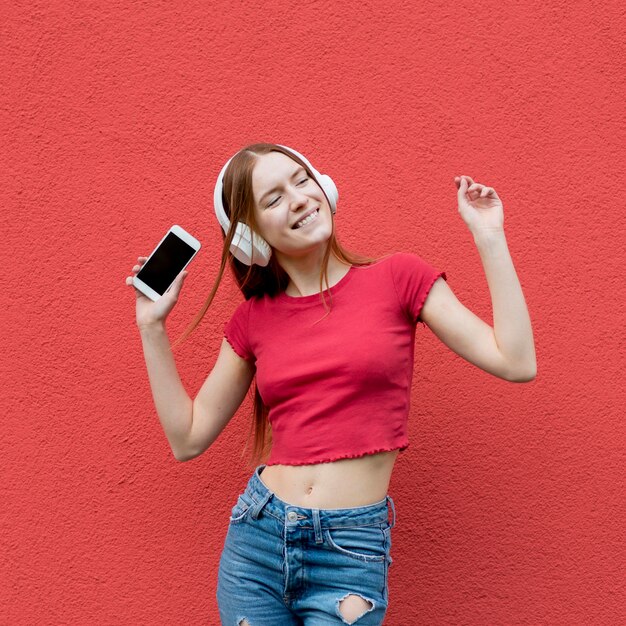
[(330, 189), (244, 247), (249, 247)]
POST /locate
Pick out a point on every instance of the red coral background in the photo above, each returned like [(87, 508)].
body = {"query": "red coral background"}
[(116, 119)]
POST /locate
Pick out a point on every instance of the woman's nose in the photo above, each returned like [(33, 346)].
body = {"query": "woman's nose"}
[(298, 198)]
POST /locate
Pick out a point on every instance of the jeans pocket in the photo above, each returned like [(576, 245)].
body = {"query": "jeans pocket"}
[(364, 543), (238, 512)]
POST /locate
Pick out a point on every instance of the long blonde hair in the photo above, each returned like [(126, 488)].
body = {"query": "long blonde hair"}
[(255, 280)]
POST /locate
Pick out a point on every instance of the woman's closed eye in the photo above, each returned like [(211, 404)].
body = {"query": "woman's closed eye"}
[(304, 180)]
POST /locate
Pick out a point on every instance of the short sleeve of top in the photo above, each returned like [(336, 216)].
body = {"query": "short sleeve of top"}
[(413, 277), (236, 331)]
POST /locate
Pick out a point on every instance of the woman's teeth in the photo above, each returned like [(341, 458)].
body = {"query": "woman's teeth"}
[(308, 219)]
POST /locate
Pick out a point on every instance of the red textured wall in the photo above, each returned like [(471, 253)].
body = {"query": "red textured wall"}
[(116, 119)]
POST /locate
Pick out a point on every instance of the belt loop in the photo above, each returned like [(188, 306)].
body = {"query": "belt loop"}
[(255, 509), (393, 508), (317, 526)]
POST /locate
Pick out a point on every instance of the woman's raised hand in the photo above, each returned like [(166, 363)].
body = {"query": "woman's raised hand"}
[(151, 313), (479, 206)]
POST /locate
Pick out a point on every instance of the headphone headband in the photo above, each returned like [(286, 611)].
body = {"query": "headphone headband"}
[(248, 246)]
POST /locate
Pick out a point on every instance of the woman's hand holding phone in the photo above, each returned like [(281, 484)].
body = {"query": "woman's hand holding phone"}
[(151, 313)]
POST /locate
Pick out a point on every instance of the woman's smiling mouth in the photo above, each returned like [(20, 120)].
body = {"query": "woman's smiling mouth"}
[(307, 220)]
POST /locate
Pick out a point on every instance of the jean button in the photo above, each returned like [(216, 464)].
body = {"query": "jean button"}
[(292, 516)]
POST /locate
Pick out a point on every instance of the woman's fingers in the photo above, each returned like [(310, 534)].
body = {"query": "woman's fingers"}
[(473, 190), (468, 181), (142, 260), (483, 190), (177, 284), (136, 268)]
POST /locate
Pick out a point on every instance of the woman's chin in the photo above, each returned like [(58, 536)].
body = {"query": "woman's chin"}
[(303, 249)]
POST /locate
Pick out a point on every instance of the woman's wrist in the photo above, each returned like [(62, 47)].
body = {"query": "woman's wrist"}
[(488, 236), (151, 328)]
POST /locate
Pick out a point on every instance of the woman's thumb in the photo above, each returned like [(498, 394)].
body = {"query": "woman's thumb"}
[(462, 187), (178, 283)]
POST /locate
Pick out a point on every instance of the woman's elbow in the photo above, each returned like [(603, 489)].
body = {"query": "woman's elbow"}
[(523, 375), (186, 455)]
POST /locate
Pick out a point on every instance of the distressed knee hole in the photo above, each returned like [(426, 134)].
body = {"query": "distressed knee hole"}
[(244, 622), (352, 607)]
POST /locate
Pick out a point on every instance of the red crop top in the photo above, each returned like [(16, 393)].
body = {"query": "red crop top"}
[(339, 388)]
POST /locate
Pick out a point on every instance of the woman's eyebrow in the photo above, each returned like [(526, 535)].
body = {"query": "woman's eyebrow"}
[(300, 169)]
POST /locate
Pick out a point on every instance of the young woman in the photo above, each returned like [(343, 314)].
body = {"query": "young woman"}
[(328, 337)]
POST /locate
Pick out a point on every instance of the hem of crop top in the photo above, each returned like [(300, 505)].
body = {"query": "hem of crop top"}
[(347, 455), (286, 298)]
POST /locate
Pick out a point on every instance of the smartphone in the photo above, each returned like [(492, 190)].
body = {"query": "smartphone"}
[(171, 256)]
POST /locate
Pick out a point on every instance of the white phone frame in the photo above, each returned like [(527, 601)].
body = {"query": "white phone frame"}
[(188, 239)]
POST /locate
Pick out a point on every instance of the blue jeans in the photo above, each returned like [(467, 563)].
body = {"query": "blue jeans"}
[(285, 565)]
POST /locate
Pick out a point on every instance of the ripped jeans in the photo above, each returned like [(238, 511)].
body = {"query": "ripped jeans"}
[(285, 565)]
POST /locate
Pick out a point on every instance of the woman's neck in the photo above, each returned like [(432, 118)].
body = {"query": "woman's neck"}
[(305, 279)]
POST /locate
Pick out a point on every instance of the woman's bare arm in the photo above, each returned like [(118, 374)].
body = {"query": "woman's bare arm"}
[(507, 349), (191, 426), (218, 399), (173, 404)]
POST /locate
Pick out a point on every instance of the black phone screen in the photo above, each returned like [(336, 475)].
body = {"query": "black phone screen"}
[(166, 263)]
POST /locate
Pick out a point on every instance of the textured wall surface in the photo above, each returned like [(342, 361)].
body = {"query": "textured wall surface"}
[(116, 119)]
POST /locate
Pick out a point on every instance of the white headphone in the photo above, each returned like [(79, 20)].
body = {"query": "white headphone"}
[(244, 246)]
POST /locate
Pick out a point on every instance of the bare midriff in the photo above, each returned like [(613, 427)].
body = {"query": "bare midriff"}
[(340, 484)]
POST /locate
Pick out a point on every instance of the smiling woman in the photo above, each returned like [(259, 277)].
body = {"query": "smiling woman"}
[(291, 204), (330, 408)]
